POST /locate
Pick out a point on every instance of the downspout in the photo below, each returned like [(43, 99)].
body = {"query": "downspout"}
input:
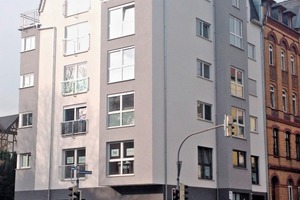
[(165, 101), (52, 106), (215, 60)]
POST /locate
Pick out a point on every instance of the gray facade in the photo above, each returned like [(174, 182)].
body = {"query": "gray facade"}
[(168, 99)]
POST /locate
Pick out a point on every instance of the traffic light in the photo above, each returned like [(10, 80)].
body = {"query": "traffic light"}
[(175, 194), (183, 193), (72, 192), (228, 126), (75, 193)]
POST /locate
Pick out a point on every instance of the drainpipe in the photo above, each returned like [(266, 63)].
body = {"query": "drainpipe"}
[(52, 106), (165, 100)]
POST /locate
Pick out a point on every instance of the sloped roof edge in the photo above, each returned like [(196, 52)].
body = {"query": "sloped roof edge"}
[(7, 121)]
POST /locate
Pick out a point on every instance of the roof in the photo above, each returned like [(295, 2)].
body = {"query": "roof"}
[(7, 121)]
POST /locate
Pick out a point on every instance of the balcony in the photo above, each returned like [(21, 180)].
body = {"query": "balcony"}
[(76, 45), (71, 87), (74, 127), (279, 115), (70, 171), (29, 19)]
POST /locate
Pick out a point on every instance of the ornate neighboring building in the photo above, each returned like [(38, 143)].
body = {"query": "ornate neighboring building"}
[(282, 89)]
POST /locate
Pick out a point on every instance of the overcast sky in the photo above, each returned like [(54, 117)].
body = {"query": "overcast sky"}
[(10, 45)]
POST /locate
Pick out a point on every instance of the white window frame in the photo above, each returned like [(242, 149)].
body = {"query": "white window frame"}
[(121, 112), (293, 69), (24, 160), (290, 190), (29, 119), (75, 79), (27, 80), (238, 117), (271, 55), (78, 124), (70, 165), (203, 29), (282, 60), (236, 32), (126, 26), (77, 38), (201, 111), (272, 97), (294, 104), (236, 3), (27, 43), (253, 124), (284, 101), (123, 157), (123, 67), (203, 69), (72, 7), (237, 86), (251, 51)]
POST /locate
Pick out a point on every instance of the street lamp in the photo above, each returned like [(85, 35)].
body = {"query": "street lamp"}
[(226, 124)]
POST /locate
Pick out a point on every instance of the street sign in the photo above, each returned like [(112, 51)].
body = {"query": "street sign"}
[(85, 172)]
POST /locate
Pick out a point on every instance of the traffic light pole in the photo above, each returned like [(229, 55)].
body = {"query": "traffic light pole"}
[(179, 163)]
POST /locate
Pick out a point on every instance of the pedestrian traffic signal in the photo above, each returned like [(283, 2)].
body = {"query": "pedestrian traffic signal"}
[(183, 191), (175, 194)]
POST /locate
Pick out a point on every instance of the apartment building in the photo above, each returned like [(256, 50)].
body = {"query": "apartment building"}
[(115, 86), (281, 43)]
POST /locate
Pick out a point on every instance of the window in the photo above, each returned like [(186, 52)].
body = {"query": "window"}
[(272, 96), (26, 80), (236, 3), (74, 159), (121, 64), (237, 82), (275, 142), (121, 110), (238, 122), (203, 69), (28, 43), (236, 38), (204, 163), (282, 60), (24, 160), (75, 121), (253, 124), (254, 170), (294, 104), (72, 7), (288, 144), (239, 158), (121, 21), (293, 69), (271, 55), (298, 147), (121, 158), (240, 196), (284, 101), (25, 120), (252, 86), (298, 191), (203, 111), (251, 50), (202, 28), (290, 189), (76, 38), (75, 79)]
